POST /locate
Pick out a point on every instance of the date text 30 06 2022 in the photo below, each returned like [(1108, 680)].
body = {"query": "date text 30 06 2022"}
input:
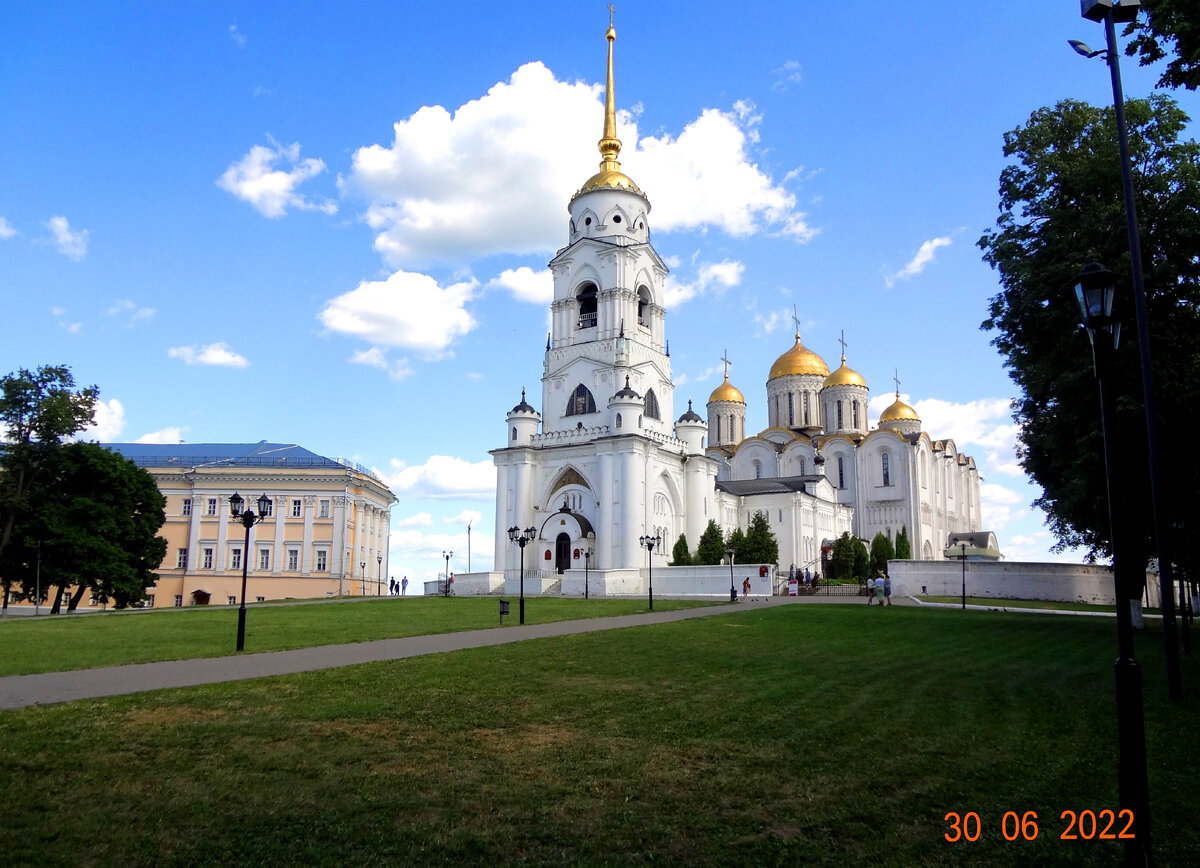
[(1085, 825)]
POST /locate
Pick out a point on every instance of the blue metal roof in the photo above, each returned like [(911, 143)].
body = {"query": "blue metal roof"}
[(261, 454)]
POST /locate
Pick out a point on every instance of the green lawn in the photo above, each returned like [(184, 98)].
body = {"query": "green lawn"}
[(1028, 604), (795, 735), (55, 644)]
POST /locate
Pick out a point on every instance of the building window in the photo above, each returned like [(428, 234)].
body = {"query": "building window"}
[(586, 298), (618, 420), (840, 425), (802, 466), (235, 558), (181, 559), (297, 507), (652, 405), (260, 599), (231, 600), (791, 410), (580, 402), (270, 510), (323, 510), (643, 305), (841, 473), (854, 412), (806, 422), (187, 506), (758, 470), (178, 600), (514, 434), (887, 477), (264, 559), (208, 559), (293, 559), (212, 506), (719, 441), (322, 560)]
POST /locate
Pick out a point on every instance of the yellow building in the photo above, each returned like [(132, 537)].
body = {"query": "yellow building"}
[(325, 534)]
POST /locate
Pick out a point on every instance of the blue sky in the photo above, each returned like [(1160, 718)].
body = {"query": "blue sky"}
[(329, 223)]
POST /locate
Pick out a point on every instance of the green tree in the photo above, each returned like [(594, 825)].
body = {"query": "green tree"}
[(680, 556), (1061, 205), (761, 547), (711, 548), (881, 553), (903, 545), (862, 559), (841, 561), (737, 542), (96, 516), (1168, 27), (37, 410)]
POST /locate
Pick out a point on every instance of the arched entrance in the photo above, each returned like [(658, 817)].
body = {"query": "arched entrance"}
[(562, 553)]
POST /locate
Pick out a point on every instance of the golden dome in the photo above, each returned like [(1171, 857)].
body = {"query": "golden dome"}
[(798, 360), (726, 392), (898, 412), (609, 179), (845, 376)]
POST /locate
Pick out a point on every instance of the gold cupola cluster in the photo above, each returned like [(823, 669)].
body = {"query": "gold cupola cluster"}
[(610, 176), (898, 411), (726, 392), (844, 376), (799, 360)]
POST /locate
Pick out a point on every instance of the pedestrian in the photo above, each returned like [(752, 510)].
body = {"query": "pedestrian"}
[(887, 589), (746, 587), (879, 592), (870, 591), (807, 576), (404, 586)]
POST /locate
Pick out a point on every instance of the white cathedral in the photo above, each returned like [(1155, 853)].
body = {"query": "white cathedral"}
[(604, 465)]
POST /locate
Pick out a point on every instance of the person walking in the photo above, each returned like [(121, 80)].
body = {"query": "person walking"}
[(879, 592), (404, 586), (887, 589), (746, 587), (870, 591)]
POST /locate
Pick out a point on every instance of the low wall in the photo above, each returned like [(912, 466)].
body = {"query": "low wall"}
[(1082, 583)]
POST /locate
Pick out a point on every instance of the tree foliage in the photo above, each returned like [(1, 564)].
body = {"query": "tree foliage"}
[(737, 542), (711, 548), (881, 553), (760, 547), (862, 559), (1168, 27), (841, 561), (903, 545), (680, 556), (96, 516), (1061, 205)]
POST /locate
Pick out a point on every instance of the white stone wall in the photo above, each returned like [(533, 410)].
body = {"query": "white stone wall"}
[(1010, 580)]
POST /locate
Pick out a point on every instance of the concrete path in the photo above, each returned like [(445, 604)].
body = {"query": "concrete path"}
[(19, 691)]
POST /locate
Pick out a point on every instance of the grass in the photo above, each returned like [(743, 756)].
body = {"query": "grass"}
[(1005, 602), (55, 644), (824, 735)]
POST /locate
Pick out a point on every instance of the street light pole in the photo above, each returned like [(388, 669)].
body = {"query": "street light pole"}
[(587, 557), (1110, 12), (964, 583), (362, 572), (469, 547), (378, 575), (648, 543), (447, 556), (248, 520), (732, 590), (522, 538)]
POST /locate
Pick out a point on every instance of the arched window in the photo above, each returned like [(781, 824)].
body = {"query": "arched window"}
[(643, 297), (732, 430), (652, 405), (514, 434), (586, 298), (758, 470), (580, 402), (802, 466), (840, 425), (924, 472), (887, 476), (841, 473), (854, 412), (618, 420), (806, 422), (791, 410), (719, 440)]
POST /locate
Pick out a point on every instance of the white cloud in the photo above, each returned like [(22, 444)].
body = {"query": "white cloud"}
[(210, 354), (71, 243), (421, 519), (767, 324), (165, 435), (917, 264), (786, 76), (272, 191), (376, 357), (107, 424), (407, 310), (717, 276), (492, 176), (684, 379), (467, 516), (239, 38), (998, 504), (443, 476), (525, 284), (6, 229), (135, 314), (419, 555)]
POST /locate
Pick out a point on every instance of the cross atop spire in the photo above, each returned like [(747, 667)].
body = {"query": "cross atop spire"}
[(610, 16), (842, 341), (896, 379), (796, 320), (725, 359)]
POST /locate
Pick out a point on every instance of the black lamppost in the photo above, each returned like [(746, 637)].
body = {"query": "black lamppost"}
[(648, 543), (963, 556), (1094, 290), (1110, 12), (522, 538), (378, 575), (248, 519), (362, 571), (732, 589), (587, 557), (447, 556)]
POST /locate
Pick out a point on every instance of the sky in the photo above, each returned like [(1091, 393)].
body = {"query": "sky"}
[(329, 223)]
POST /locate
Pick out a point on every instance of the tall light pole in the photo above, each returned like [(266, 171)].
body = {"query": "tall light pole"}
[(447, 556), (732, 589), (587, 557), (963, 556), (522, 538), (1094, 291), (378, 575), (362, 574), (248, 520), (1110, 12), (648, 543), (469, 546)]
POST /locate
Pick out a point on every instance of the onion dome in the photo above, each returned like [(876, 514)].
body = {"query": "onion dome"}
[(798, 360), (610, 176), (627, 392), (524, 406), (898, 412), (844, 376), (725, 392), (691, 415)]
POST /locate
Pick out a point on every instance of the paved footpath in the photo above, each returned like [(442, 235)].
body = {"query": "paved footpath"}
[(19, 691)]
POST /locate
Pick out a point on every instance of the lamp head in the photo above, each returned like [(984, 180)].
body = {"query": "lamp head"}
[(236, 504), (530, 533), (1122, 11), (1083, 48), (1095, 287), (264, 505), (513, 532)]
